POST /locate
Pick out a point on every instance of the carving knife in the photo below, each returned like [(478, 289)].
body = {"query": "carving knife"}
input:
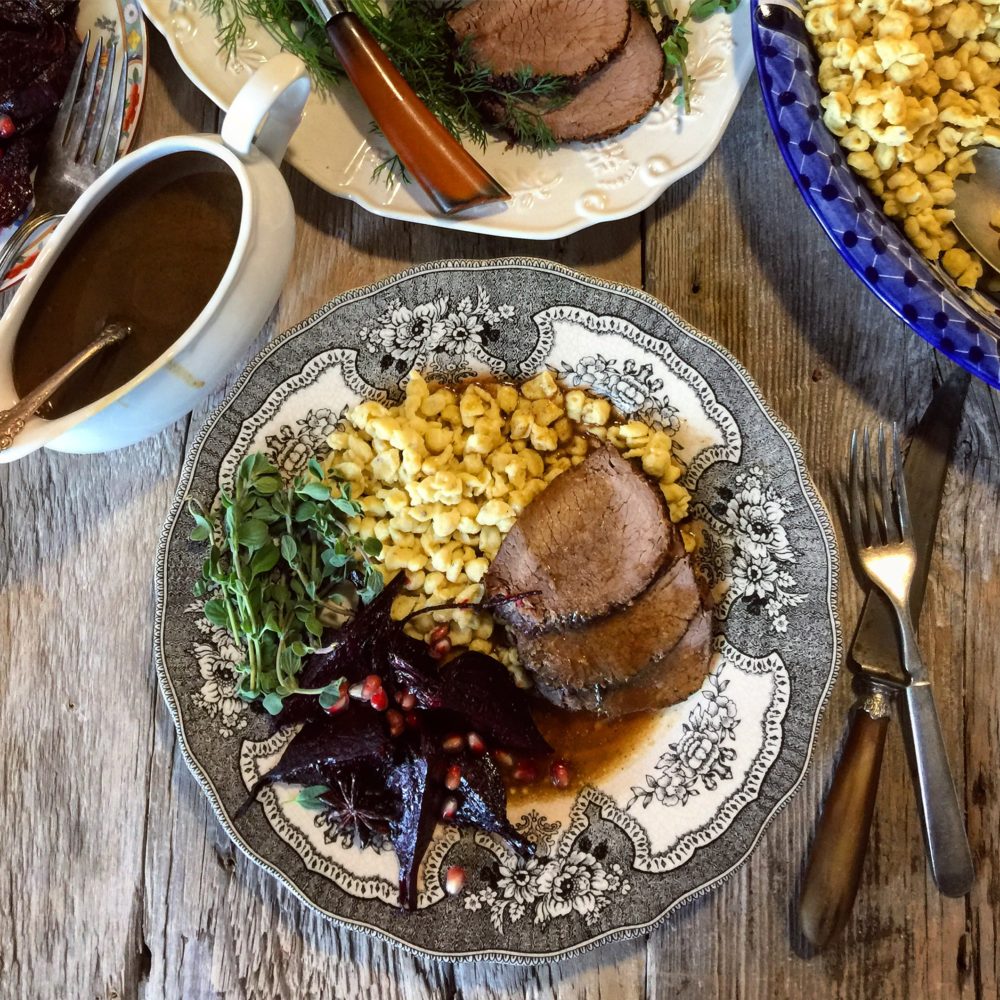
[(838, 852), (431, 154)]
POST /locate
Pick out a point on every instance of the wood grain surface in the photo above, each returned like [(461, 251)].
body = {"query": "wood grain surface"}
[(117, 882)]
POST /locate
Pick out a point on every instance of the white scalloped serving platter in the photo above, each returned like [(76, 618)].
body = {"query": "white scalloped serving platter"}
[(554, 194)]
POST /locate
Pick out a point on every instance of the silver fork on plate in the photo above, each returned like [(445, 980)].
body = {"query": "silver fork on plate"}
[(75, 155), (880, 523)]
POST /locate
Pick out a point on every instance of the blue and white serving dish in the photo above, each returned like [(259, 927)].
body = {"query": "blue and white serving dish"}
[(962, 324)]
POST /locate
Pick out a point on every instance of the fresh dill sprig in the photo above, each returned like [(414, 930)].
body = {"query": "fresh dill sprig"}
[(465, 98)]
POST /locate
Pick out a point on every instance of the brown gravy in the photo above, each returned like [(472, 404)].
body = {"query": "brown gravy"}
[(151, 255), (593, 747)]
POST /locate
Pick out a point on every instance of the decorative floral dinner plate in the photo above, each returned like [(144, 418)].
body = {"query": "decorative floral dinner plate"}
[(114, 21), (684, 810), (554, 194)]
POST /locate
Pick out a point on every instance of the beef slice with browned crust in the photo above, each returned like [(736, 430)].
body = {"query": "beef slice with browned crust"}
[(591, 542), (578, 668), (570, 38)]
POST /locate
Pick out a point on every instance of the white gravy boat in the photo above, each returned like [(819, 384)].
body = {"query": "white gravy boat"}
[(254, 136)]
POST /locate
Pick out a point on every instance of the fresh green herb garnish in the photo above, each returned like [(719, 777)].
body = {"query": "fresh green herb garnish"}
[(416, 37), (278, 557), (674, 38)]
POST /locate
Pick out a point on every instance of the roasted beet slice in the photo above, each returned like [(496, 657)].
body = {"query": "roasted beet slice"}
[(359, 648), (413, 669), (356, 735), (417, 782), (482, 693), (483, 802)]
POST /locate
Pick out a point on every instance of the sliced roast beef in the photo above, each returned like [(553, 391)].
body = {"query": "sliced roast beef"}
[(672, 679), (591, 542), (591, 667), (568, 38), (619, 95)]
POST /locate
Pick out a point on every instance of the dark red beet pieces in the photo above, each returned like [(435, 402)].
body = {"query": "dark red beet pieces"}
[(410, 750)]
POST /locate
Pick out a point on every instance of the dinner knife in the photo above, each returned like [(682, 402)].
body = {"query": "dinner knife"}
[(834, 870), (429, 152)]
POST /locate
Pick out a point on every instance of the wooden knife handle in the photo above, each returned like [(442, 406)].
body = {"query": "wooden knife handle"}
[(430, 153), (838, 852)]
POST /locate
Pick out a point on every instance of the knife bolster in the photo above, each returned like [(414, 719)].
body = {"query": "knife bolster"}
[(875, 703)]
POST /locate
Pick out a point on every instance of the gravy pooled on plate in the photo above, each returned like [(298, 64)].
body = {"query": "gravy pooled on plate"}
[(151, 255)]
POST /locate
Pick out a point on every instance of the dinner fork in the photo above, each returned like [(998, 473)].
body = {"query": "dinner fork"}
[(74, 156), (880, 523)]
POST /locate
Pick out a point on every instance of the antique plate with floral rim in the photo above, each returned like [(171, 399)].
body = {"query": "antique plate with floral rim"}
[(688, 805), (112, 20), (553, 194)]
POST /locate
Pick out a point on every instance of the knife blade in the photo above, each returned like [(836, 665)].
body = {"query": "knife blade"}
[(875, 650)]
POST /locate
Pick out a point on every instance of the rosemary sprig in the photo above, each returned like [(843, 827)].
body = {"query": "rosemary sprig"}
[(277, 556)]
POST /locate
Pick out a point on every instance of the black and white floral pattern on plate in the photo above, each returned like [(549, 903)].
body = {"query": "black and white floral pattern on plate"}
[(645, 378), (716, 767), (747, 552)]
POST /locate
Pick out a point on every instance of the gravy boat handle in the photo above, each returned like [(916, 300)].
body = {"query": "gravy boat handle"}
[(267, 110)]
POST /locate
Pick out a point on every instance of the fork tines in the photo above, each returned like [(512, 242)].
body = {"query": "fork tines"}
[(89, 113), (879, 512)]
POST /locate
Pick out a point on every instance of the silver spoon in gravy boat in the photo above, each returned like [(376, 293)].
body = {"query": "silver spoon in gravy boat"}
[(977, 201), (12, 420)]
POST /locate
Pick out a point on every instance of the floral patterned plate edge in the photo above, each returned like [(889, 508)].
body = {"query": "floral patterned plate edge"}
[(112, 20), (687, 807)]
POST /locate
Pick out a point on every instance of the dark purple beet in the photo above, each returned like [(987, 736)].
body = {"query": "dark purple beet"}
[(359, 649), (413, 669), (479, 689), (15, 181), (417, 780), (38, 46), (333, 742), (483, 802)]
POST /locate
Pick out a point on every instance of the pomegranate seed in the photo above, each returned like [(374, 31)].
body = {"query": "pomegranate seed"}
[(526, 771), (453, 777), (370, 685), (339, 704), (454, 880), (411, 720), (398, 697), (441, 648), (397, 724), (438, 633), (504, 758), (450, 809), (408, 702), (452, 744), (559, 774), (355, 690), (476, 744), (7, 127), (380, 700)]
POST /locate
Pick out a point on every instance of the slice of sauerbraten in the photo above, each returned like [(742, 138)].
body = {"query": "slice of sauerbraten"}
[(592, 541), (614, 621), (569, 38)]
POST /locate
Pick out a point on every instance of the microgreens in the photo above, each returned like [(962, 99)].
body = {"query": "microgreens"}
[(279, 556)]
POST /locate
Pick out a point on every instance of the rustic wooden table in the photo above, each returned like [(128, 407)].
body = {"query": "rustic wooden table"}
[(117, 881)]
